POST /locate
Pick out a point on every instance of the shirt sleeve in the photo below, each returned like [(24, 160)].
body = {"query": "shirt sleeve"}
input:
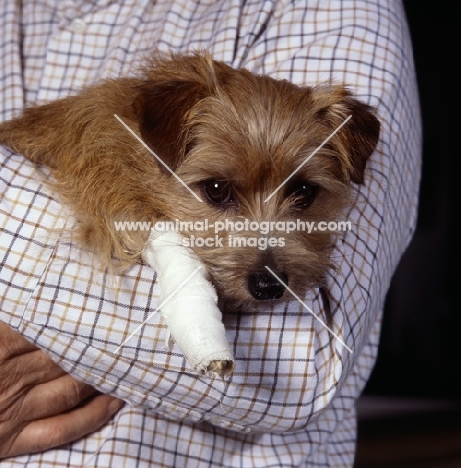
[(290, 401)]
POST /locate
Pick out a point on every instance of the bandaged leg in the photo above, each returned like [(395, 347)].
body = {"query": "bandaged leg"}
[(189, 304)]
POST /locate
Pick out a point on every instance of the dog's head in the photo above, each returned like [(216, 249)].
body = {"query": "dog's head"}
[(273, 164)]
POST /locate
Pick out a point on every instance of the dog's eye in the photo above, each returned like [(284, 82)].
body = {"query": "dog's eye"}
[(303, 193), (219, 192)]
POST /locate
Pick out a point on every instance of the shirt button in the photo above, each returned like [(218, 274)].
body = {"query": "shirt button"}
[(78, 25)]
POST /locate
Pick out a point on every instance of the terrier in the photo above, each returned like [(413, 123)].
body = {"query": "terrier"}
[(220, 144)]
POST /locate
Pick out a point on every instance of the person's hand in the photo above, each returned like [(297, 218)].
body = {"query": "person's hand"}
[(41, 406)]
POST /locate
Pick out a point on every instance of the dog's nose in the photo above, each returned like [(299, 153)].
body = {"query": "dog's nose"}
[(263, 286)]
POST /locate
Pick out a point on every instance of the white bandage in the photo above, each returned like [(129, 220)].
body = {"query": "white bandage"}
[(189, 301)]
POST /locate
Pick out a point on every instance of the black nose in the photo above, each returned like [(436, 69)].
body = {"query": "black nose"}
[(264, 286)]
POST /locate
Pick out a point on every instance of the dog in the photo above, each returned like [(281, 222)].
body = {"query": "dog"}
[(242, 143)]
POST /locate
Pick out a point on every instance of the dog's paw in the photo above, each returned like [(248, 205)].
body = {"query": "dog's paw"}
[(219, 368)]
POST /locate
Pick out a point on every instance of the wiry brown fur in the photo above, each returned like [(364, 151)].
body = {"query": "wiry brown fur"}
[(206, 121)]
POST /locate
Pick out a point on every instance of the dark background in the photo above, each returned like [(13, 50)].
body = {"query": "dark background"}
[(421, 338), (410, 414)]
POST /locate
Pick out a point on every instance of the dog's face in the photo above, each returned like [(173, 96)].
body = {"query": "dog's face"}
[(244, 144), (263, 158)]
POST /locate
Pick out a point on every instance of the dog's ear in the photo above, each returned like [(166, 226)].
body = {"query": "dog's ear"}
[(161, 108), (356, 140)]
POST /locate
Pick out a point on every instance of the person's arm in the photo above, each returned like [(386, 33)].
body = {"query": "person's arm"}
[(41, 406)]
